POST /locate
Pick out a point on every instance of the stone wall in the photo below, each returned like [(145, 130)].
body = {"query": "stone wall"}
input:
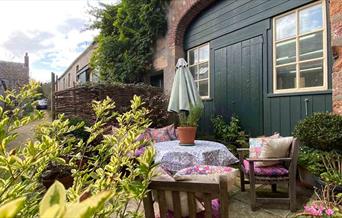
[(336, 43)]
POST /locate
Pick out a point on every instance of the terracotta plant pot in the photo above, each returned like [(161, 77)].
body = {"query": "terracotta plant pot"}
[(187, 135)]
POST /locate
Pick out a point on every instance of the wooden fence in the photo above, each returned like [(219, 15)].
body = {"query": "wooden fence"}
[(76, 102)]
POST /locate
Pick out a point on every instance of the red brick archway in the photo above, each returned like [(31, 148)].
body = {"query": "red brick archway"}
[(181, 14)]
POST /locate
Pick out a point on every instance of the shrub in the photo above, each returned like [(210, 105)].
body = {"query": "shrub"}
[(21, 169), (231, 133), (321, 131), (310, 158)]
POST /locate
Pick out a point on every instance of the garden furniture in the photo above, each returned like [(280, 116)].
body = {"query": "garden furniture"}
[(173, 157), (283, 172), (209, 191)]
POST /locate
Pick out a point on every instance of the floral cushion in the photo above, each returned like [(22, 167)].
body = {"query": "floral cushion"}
[(215, 210), (167, 133), (204, 170), (255, 144), (207, 174), (276, 170), (139, 151)]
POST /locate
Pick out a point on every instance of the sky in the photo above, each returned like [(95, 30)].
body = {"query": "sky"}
[(52, 32)]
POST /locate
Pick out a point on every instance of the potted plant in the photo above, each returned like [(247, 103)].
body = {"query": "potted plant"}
[(188, 125)]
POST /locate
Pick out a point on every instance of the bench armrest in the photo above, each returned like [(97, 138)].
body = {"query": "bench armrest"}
[(268, 159)]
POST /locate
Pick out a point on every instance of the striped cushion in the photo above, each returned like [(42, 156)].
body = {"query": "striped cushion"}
[(275, 170)]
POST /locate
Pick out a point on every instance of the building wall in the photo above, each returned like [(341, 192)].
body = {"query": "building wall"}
[(69, 77), (182, 12), (336, 42)]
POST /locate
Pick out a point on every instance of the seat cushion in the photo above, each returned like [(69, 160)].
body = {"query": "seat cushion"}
[(269, 171), (215, 210), (166, 133), (275, 148), (256, 144)]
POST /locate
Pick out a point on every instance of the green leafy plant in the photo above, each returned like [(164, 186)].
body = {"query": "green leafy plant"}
[(231, 134), (310, 159), (321, 131), (128, 31), (333, 168), (12, 208), (192, 118), (111, 165), (55, 205)]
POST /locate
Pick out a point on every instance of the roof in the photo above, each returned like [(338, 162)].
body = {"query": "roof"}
[(91, 46), (13, 70)]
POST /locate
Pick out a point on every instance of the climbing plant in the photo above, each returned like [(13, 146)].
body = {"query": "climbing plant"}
[(128, 32)]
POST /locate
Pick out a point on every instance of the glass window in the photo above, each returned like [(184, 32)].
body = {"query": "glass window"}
[(198, 59), (300, 59)]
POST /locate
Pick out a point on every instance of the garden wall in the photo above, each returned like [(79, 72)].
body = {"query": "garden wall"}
[(76, 102)]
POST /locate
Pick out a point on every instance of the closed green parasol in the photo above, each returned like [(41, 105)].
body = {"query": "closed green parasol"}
[(184, 93)]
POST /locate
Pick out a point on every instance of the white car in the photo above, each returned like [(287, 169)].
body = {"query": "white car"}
[(42, 104)]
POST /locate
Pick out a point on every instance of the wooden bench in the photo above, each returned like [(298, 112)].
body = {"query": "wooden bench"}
[(209, 191)]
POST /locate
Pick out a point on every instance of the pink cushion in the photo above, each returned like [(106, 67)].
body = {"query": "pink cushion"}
[(204, 170), (276, 170), (166, 133)]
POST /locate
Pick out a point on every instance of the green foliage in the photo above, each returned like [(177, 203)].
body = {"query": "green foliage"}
[(128, 32), (192, 118), (111, 166), (333, 168), (21, 168), (310, 158), (10, 209), (79, 133), (321, 131), (326, 165), (54, 204), (231, 133)]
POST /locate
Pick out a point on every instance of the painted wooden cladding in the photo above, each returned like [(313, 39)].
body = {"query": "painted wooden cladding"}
[(241, 69), (230, 15)]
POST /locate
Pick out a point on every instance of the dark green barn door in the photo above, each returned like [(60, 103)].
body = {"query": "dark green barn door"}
[(238, 82)]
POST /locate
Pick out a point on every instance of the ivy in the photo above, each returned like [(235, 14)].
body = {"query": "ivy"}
[(128, 32)]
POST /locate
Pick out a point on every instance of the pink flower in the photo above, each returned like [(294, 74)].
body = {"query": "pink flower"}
[(329, 211)]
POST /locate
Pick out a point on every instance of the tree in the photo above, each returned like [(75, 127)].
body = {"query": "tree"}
[(128, 32)]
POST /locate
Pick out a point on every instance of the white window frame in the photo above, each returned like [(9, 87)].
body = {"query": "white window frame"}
[(324, 58), (198, 64)]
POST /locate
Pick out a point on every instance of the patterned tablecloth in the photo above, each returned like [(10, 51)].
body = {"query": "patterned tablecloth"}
[(173, 157)]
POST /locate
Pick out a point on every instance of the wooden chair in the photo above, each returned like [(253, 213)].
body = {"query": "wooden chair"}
[(209, 190), (290, 163)]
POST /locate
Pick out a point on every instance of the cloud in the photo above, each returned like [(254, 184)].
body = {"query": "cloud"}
[(51, 31), (19, 42), (72, 24)]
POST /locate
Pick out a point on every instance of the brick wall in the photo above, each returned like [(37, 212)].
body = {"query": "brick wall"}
[(336, 42), (170, 48)]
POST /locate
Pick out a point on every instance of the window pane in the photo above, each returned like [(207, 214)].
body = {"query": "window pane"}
[(310, 19), (286, 77), (311, 74), (311, 46), (203, 88), (286, 26), (286, 52), (203, 71), (204, 53), (193, 57), (193, 71)]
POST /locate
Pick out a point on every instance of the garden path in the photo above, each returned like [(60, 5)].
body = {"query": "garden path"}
[(27, 132)]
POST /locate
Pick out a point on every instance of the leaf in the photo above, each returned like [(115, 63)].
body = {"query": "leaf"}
[(55, 195), (52, 212), (88, 207), (11, 208)]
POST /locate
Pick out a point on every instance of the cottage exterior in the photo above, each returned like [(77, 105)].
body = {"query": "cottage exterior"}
[(79, 71), (13, 75), (269, 62)]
